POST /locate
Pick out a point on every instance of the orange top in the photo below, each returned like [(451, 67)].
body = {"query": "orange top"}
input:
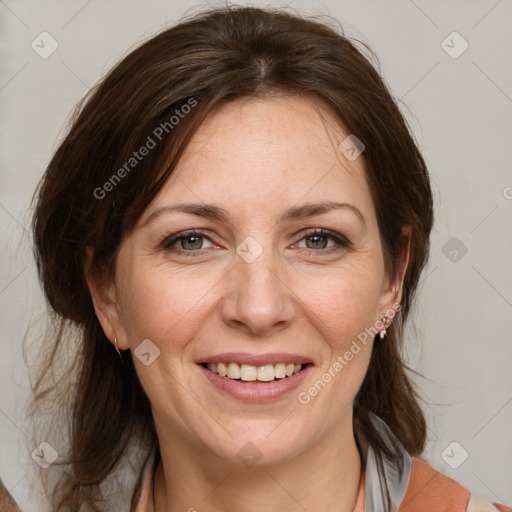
[(430, 490)]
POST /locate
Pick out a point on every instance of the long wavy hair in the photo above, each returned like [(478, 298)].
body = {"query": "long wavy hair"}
[(98, 408)]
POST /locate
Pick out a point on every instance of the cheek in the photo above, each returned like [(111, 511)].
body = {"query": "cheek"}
[(345, 305), (163, 306), (344, 310)]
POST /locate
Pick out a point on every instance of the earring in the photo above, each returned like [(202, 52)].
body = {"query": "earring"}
[(383, 332)]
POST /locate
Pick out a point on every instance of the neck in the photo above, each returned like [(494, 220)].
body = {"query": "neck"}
[(324, 478)]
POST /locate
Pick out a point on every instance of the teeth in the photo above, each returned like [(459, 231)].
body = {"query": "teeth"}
[(280, 371), (233, 371), (221, 368), (266, 373), (246, 372)]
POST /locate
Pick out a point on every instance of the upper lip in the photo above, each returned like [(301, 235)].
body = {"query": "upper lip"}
[(256, 359)]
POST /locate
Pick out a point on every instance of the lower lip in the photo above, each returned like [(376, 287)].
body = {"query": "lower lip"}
[(256, 391)]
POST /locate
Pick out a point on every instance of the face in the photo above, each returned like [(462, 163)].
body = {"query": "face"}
[(254, 285)]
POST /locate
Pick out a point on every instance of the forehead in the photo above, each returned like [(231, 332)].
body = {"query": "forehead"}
[(255, 153)]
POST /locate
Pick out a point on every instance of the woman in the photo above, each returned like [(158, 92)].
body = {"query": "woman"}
[(236, 223)]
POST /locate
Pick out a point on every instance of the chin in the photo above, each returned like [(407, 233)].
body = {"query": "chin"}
[(258, 447)]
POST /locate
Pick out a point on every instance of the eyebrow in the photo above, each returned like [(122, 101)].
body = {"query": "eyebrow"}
[(214, 212)]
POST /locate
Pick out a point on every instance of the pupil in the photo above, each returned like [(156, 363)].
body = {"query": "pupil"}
[(317, 237), (192, 237)]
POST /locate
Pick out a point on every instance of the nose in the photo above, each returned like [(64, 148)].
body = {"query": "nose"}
[(257, 298)]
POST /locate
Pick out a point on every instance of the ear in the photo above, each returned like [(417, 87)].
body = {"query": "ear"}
[(391, 292), (104, 301)]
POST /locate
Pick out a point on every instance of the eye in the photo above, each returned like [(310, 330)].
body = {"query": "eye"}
[(318, 239), (189, 243)]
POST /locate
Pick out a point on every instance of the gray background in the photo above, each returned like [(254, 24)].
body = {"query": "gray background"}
[(460, 111)]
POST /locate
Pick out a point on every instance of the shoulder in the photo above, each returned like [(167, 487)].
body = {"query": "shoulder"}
[(429, 489), (7, 503), (478, 504)]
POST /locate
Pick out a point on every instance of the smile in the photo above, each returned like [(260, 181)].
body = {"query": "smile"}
[(251, 377), (251, 373)]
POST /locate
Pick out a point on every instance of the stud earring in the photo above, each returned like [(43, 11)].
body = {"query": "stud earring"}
[(383, 332)]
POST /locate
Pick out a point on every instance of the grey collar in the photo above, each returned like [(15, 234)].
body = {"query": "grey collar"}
[(382, 473)]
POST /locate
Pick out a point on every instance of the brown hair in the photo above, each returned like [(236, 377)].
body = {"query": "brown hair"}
[(86, 200)]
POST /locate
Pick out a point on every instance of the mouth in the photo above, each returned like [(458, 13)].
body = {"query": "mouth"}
[(255, 373), (256, 378)]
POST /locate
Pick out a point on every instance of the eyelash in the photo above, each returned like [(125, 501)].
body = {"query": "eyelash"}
[(168, 241)]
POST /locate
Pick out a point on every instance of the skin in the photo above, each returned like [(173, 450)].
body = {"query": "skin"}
[(255, 158)]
